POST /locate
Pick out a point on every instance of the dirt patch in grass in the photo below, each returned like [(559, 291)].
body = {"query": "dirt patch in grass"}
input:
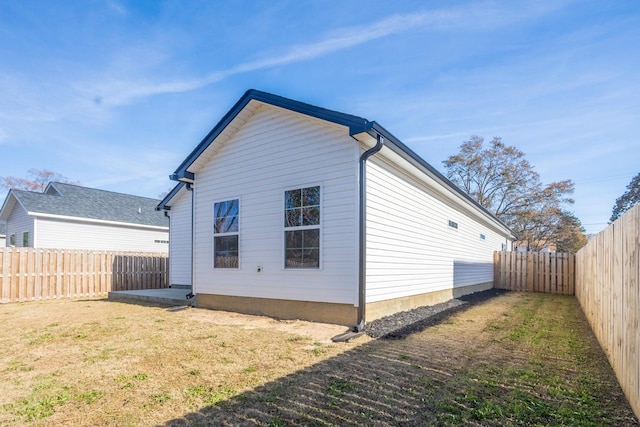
[(513, 360)]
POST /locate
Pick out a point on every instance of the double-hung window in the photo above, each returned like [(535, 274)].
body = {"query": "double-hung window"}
[(226, 233), (302, 228)]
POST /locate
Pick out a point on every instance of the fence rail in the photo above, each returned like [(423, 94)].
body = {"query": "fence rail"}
[(608, 289), (552, 273), (28, 274)]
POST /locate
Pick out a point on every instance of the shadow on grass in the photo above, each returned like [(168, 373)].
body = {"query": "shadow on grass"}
[(403, 382), (367, 385)]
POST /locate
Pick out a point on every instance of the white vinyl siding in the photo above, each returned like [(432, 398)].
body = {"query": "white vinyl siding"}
[(18, 223), (276, 150), (67, 234), (412, 247), (180, 239)]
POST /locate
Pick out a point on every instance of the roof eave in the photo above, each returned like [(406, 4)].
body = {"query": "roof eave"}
[(354, 123), (5, 210), (164, 205), (409, 155)]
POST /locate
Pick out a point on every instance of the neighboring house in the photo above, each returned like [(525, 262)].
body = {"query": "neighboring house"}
[(3, 235), (67, 216), (295, 211)]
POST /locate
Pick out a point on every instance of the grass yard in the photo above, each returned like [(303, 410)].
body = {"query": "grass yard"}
[(514, 360)]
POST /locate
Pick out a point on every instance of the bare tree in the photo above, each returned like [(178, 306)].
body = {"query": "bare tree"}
[(37, 180), (505, 183)]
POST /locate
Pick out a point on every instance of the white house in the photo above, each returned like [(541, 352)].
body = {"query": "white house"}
[(67, 216), (295, 211)]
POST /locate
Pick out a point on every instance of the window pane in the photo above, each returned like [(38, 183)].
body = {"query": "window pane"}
[(312, 258), (302, 207), (310, 216), (293, 239), (225, 216), (298, 258), (292, 199), (302, 249), (292, 218), (311, 196), (311, 239), (227, 224), (225, 252)]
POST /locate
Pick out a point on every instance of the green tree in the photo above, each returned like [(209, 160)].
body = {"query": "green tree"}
[(37, 180), (570, 235), (505, 183), (628, 199)]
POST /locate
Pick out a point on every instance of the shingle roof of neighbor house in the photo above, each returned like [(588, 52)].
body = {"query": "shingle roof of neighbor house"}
[(68, 200)]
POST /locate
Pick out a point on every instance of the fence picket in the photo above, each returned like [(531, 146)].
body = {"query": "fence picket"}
[(28, 274), (608, 289), (535, 272)]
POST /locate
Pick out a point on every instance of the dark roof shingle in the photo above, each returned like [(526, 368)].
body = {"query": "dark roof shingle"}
[(75, 201)]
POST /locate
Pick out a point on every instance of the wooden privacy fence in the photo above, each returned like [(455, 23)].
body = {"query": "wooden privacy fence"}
[(28, 274), (552, 273), (608, 289)]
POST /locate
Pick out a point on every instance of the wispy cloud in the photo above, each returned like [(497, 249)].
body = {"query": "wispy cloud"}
[(474, 17), (116, 7)]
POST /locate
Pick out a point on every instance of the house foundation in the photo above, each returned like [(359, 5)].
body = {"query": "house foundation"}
[(338, 314), (376, 310)]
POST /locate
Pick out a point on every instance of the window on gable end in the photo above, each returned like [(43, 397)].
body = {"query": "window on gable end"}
[(226, 234), (302, 228)]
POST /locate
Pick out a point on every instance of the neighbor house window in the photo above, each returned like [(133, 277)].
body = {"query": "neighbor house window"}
[(226, 231), (12, 240), (453, 224), (302, 228), (25, 239)]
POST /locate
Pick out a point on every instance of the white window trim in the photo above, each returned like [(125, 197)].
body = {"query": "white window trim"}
[(214, 234), (320, 227)]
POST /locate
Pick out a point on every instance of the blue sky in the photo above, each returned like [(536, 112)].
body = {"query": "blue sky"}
[(115, 94)]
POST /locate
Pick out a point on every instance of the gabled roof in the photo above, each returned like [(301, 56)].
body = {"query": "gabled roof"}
[(355, 124), (357, 127), (165, 204), (67, 200)]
